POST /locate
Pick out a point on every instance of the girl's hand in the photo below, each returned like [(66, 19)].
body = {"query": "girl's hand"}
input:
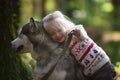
[(76, 32)]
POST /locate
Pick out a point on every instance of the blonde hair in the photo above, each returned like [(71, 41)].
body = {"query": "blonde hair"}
[(57, 19)]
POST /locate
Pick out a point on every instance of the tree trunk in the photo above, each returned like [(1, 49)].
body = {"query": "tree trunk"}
[(11, 67), (116, 15)]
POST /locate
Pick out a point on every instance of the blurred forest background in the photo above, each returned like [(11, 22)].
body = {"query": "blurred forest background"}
[(101, 19)]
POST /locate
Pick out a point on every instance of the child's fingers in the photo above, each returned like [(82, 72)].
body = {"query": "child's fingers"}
[(76, 32)]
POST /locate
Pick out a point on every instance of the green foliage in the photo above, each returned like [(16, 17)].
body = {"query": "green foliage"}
[(12, 67), (113, 50), (117, 67), (25, 72), (91, 13)]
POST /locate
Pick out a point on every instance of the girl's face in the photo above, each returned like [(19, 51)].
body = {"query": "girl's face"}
[(57, 34)]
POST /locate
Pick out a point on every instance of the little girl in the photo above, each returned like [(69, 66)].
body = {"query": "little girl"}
[(96, 63)]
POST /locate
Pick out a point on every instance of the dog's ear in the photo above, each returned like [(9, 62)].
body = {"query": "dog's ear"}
[(19, 30), (33, 25)]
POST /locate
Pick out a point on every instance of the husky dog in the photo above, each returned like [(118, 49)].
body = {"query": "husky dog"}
[(34, 39)]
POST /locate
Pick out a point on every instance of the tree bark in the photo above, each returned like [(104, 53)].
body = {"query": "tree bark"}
[(11, 67)]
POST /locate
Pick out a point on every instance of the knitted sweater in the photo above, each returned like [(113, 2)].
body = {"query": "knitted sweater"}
[(87, 52)]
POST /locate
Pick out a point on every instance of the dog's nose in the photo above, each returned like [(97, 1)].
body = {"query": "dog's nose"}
[(10, 43)]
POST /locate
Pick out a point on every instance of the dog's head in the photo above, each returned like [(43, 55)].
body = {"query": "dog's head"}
[(27, 35), (22, 44), (31, 34)]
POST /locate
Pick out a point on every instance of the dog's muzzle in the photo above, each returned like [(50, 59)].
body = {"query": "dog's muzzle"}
[(17, 45), (17, 48)]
